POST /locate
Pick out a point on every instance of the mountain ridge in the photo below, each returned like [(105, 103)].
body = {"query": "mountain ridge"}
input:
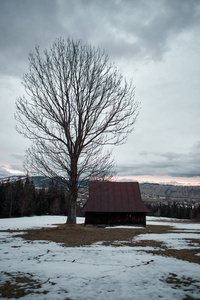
[(148, 190)]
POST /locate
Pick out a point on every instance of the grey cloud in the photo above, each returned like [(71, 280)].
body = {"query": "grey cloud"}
[(172, 164), (142, 28), (24, 24), (17, 155), (172, 156), (167, 19), (167, 155), (4, 172), (17, 167), (131, 32), (139, 29)]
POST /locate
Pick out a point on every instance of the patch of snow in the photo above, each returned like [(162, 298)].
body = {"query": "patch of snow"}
[(94, 272), (185, 230), (172, 240), (127, 227), (152, 218), (187, 225), (34, 222), (97, 271)]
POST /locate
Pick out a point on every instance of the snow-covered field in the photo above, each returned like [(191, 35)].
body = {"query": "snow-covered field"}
[(97, 272)]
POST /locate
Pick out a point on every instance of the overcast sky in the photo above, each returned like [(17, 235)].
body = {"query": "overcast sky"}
[(154, 42)]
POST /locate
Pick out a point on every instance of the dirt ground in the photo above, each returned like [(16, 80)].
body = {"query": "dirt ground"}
[(79, 235)]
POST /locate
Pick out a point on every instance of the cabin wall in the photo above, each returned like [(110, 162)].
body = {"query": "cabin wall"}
[(103, 218)]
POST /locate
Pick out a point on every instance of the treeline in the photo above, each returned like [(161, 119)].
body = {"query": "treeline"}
[(18, 199), (175, 210)]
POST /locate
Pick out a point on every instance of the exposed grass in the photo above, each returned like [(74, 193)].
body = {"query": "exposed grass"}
[(186, 283), (19, 285), (79, 235)]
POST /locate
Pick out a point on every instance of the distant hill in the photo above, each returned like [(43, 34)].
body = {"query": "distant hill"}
[(183, 193), (149, 191), (38, 181)]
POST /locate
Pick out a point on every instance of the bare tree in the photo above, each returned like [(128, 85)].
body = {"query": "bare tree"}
[(76, 103)]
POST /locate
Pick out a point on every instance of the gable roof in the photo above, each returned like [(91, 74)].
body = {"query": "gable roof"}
[(114, 197)]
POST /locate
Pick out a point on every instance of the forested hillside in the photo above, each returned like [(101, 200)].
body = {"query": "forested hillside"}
[(182, 202), (23, 198), (183, 193), (39, 195)]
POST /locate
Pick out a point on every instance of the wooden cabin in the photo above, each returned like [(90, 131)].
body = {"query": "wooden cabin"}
[(115, 203)]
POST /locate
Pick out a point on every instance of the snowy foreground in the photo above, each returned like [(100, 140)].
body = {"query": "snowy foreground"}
[(98, 272)]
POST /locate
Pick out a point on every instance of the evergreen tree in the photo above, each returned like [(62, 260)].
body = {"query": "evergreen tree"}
[(42, 206), (28, 205), (17, 192), (8, 203), (2, 199)]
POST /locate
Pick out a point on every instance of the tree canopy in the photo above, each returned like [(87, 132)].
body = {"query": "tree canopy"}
[(76, 103)]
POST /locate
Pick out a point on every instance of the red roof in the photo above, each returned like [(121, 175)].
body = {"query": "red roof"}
[(114, 197)]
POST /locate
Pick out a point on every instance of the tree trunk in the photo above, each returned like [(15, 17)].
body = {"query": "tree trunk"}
[(71, 219), (73, 192), (11, 205)]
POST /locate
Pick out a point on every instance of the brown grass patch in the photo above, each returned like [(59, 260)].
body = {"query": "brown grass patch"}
[(186, 283), (79, 235), (19, 285), (183, 254)]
